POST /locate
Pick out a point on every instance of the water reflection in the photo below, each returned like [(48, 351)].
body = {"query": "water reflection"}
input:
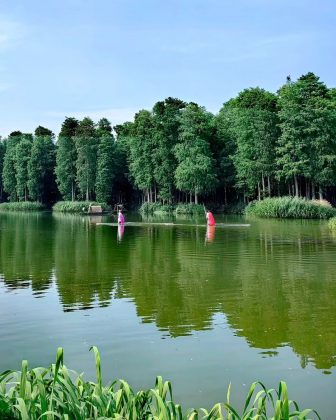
[(275, 282)]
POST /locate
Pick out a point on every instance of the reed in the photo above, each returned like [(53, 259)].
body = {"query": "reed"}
[(291, 208), (22, 206), (332, 224), (76, 206), (59, 393)]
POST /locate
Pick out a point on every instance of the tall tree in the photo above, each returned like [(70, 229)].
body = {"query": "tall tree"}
[(166, 117), (195, 172), (23, 152), (306, 146), (66, 156), (105, 161), (141, 147), (254, 126), (9, 173), (86, 164), (41, 167), (2, 156)]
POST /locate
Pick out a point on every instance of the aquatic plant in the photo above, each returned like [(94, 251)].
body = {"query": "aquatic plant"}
[(58, 393), (189, 208), (332, 223), (76, 206), (22, 206), (290, 207)]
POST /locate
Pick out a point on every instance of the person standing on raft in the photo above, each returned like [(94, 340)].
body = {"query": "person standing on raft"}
[(210, 218), (121, 218)]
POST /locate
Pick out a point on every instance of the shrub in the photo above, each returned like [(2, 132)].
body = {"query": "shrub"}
[(150, 208), (49, 393), (332, 223), (22, 206), (290, 207), (189, 208), (77, 206)]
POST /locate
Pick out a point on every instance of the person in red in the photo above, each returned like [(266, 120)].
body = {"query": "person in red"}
[(210, 218)]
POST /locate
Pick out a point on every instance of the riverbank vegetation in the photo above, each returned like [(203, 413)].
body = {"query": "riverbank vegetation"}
[(22, 206), (332, 224), (56, 392), (180, 208), (290, 208), (258, 145), (77, 206)]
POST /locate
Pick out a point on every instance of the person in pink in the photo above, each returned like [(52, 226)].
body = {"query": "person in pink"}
[(121, 218), (210, 218)]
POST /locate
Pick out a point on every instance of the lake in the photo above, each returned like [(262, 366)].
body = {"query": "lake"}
[(202, 309)]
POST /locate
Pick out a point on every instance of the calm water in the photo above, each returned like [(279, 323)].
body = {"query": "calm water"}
[(202, 309)]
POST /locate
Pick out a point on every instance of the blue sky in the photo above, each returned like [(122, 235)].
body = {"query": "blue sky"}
[(112, 57)]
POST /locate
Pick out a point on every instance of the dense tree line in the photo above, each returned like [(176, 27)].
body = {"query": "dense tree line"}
[(259, 144)]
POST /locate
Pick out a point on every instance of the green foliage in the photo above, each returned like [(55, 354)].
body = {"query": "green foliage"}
[(156, 208), (23, 152), (41, 168), (86, 146), (189, 208), (2, 157), (195, 172), (66, 156), (77, 206), (56, 392), (105, 168), (332, 223), (291, 208), (22, 206), (9, 173)]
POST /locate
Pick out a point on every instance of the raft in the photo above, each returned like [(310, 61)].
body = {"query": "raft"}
[(139, 224)]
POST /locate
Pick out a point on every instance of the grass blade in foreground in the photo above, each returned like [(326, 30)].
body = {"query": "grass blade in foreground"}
[(57, 393)]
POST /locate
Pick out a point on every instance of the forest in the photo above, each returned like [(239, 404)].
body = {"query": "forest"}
[(260, 144)]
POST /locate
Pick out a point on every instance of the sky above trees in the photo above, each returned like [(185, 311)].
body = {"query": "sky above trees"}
[(109, 58)]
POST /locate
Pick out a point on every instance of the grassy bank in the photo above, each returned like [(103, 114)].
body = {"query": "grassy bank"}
[(77, 206), (291, 208), (181, 208), (22, 206), (55, 392)]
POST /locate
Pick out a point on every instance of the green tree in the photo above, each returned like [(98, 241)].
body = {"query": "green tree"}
[(23, 151), (2, 157), (306, 151), (141, 147), (166, 117), (9, 173), (195, 172), (41, 168), (86, 164), (105, 161), (66, 156), (253, 124)]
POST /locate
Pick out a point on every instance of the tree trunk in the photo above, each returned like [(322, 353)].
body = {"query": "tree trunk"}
[(320, 193), (296, 183), (196, 197), (263, 185), (269, 185), (313, 191), (259, 190), (289, 190), (72, 191)]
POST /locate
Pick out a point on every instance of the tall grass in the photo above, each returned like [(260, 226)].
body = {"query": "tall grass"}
[(189, 208), (22, 206), (180, 208), (290, 207), (77, 206), (58, 393), (332, 224)]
